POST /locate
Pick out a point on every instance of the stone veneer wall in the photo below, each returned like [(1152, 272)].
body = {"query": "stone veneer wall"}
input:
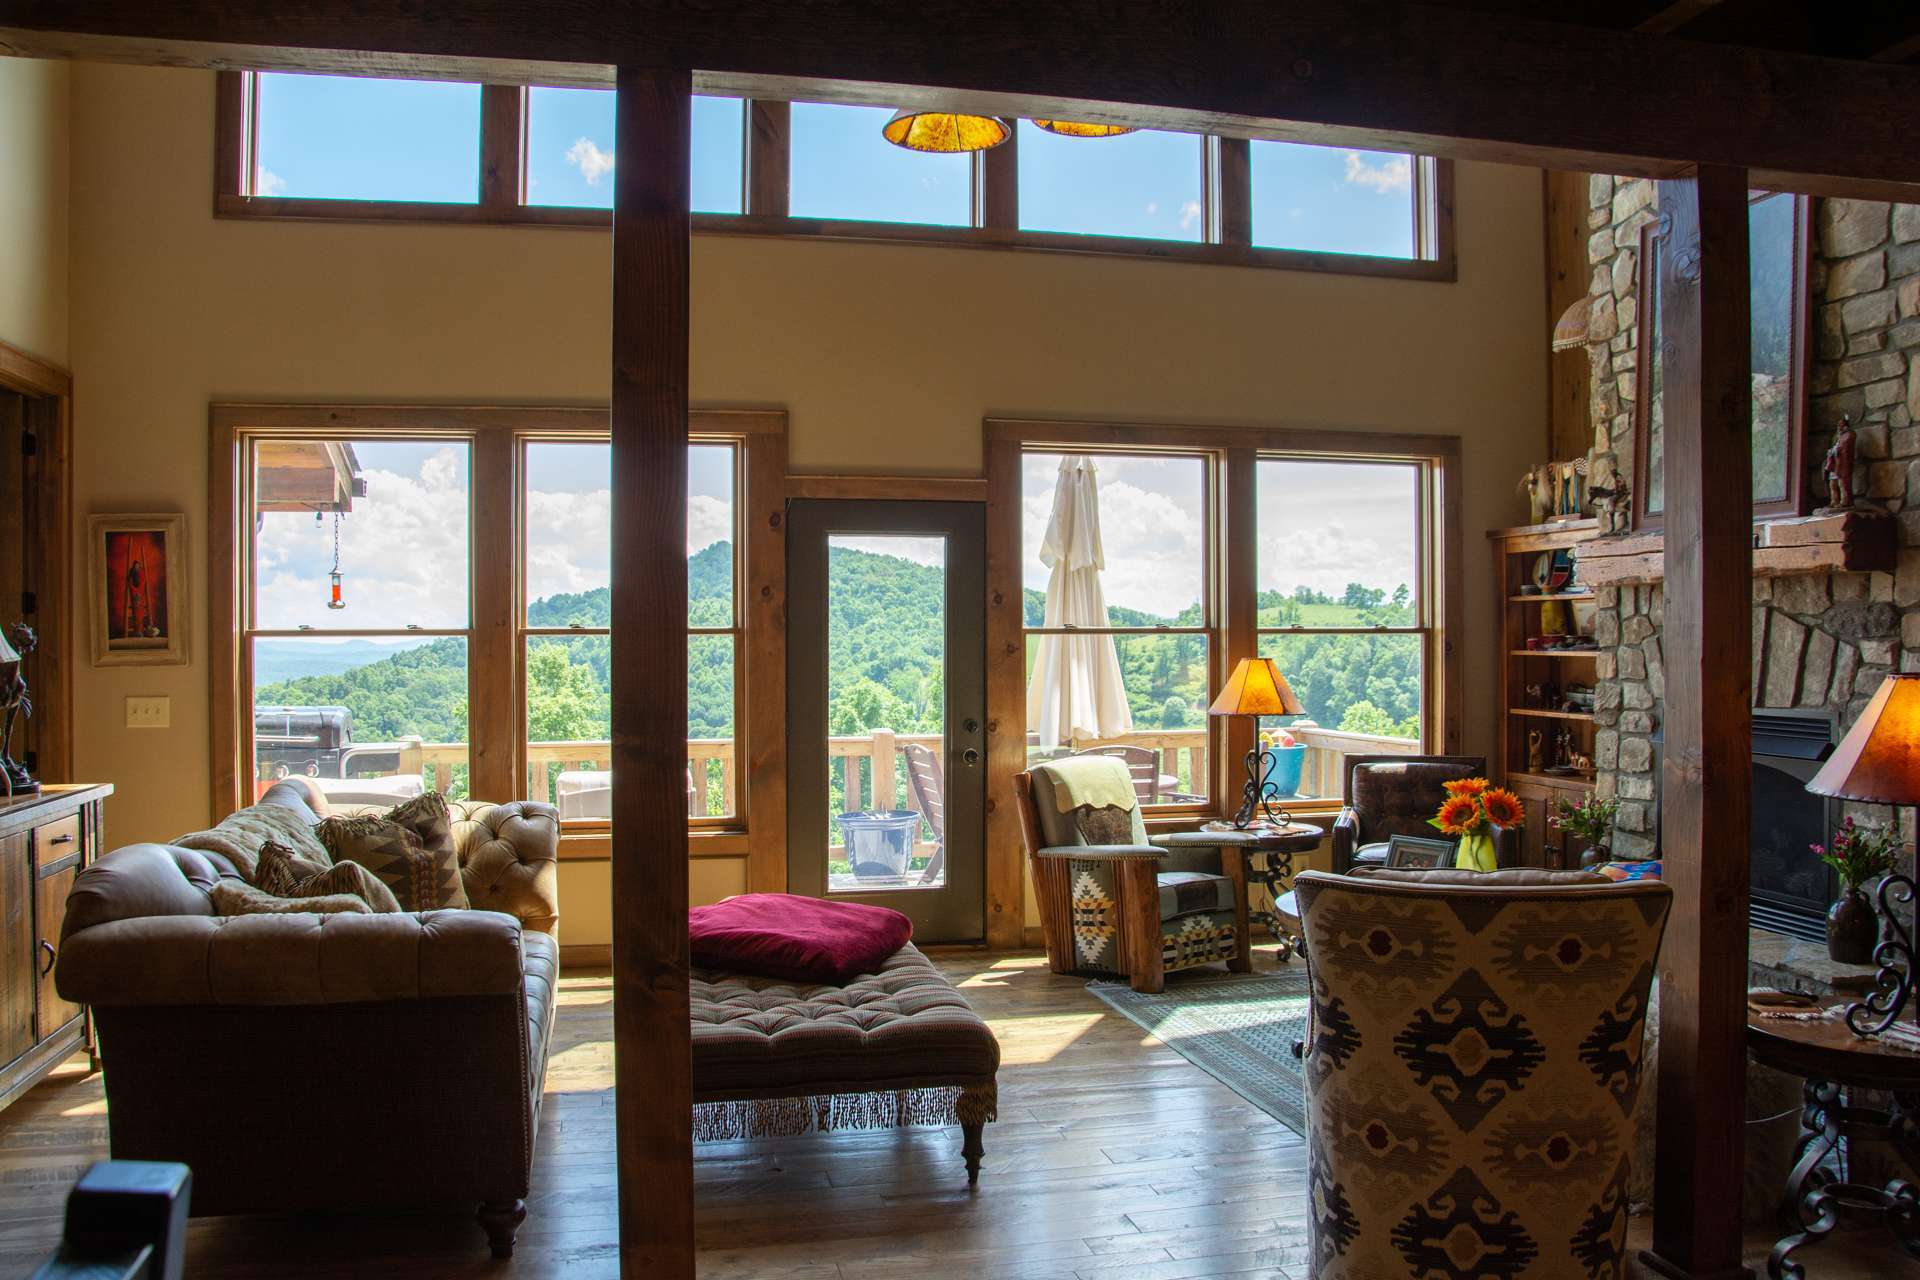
[(1820, 640)]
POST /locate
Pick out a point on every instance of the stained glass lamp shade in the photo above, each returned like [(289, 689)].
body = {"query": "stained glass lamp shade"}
[(945, 131), (1256, 688), (1083, 128)]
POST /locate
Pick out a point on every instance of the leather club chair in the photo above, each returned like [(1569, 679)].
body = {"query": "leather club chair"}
[(1384, 796)]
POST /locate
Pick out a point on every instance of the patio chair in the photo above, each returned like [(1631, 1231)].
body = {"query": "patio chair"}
[(1143, 763), (929, 794)]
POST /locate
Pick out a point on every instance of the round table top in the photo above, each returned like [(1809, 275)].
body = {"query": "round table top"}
[(1827, 1049), (1295, 837)]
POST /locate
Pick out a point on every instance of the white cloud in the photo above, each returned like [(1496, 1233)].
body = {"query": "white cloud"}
[(1189, 215), (1392, 173), (593, 163), (266, 182), (1153, 207)]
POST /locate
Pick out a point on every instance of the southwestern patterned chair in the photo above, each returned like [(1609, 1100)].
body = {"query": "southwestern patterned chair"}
[(1472, 1063), (1111, 903), (1384, 796)]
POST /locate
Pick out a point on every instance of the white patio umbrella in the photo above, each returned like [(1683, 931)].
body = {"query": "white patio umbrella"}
[(1075, 690)]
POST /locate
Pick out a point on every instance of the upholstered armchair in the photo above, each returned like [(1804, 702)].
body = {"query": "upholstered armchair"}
[(1385, 796), (1112, 903), (1472, 1063)]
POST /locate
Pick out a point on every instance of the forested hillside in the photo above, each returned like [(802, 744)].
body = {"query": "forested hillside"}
[(884, 667)]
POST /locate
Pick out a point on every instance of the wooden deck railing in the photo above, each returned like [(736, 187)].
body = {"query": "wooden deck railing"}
[(872, 774)]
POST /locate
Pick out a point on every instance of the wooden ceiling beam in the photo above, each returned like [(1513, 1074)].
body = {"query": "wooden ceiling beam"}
[(1371, 73), (1870, 29)]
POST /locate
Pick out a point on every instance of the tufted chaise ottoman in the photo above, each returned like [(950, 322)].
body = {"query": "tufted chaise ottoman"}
[(773, 1058)]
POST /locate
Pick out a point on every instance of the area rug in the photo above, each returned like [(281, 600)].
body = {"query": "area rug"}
[(1239, 1028)]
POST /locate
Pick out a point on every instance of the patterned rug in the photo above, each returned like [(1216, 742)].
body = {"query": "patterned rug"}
[(1239, 1028)]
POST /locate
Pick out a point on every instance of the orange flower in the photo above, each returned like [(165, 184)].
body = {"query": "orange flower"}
[(1468, 787), (1458, 816), (1504, 808)]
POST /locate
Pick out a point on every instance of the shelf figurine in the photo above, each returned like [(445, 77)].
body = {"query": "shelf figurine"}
[(1838, 468), (1535, 743)]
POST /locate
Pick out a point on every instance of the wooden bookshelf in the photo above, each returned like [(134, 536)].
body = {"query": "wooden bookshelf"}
[(1515, 552)]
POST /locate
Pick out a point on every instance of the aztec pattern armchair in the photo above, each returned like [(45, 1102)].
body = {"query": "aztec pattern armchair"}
[(1112, 903), (1384, 796), (1473, 1059)]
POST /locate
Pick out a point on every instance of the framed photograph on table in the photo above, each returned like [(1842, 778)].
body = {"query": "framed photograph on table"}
[(1419, 853), (137, 588)]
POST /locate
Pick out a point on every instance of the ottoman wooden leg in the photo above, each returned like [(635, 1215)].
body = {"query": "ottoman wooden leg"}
[(501, 1220), (972, 1148)]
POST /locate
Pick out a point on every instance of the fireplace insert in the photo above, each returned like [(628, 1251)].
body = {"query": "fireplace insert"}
[(1789, 890)]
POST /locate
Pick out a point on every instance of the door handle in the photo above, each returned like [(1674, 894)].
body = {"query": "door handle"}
[(62, 839), (52, 955), (971, 756)]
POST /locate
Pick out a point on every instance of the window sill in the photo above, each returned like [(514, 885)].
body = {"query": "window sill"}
[(286, 208), (594, 842)]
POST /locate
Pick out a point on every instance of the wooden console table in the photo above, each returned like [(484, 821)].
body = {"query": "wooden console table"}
[(45, 839)]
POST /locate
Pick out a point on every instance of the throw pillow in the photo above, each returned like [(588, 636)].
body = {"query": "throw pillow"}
[(778, 935), (283, 874), (420, 878), (233, 897), (428, 817)]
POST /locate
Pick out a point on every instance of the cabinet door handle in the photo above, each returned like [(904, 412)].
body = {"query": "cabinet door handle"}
[(52, 955), (62, 839)]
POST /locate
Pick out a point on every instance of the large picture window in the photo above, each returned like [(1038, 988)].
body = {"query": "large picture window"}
[(373, 550)]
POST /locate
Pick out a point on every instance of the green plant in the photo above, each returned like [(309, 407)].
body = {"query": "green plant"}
[(1858, 854), (1590, 820)]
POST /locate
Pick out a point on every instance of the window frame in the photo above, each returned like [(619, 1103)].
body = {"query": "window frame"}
[(1227, 194), (1212, 600), (1426, 585), (497, 758), (1232, 571)]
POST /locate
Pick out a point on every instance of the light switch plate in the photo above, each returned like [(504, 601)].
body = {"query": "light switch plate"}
[(149, 713)]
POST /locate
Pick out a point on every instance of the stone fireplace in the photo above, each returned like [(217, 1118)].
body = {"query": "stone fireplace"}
[(1822, 641)]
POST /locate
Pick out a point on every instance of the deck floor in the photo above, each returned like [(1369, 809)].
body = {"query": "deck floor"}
[(1113, 1158)]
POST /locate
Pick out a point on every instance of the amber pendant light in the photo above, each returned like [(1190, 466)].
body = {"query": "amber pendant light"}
[(1083, 129), (945, 131)]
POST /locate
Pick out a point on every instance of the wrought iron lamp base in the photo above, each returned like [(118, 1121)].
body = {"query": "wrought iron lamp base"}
[(1253, 796), (1893, 986)]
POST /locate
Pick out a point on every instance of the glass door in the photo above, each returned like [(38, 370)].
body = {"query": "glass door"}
[(886, 605)]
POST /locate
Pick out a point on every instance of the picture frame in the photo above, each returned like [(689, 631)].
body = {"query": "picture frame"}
[(1781, 236), (138, 589), (1420, 853)]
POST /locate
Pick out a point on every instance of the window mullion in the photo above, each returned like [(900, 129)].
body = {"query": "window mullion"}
[(1232, 192), (997, 204), (769, 164), (503, 133)]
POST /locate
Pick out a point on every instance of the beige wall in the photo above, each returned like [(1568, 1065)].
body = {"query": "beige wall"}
[(33, 206), (887, 358)]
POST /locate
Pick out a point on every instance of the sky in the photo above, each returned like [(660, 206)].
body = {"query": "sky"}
[(1321, 525), (335, 137)]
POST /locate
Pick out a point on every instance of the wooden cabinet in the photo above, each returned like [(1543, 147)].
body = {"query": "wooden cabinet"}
[(1544, 691), (45, 840)]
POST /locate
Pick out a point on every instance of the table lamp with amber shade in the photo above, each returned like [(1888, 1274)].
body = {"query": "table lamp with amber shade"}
[(1256, 688), (1879, 762)]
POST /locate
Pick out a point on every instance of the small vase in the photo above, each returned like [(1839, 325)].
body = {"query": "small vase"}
[(1593, 856), (1853, 929), (1476, 853)]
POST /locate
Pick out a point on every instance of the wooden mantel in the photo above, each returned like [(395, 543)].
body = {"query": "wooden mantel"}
[(1843, 542)]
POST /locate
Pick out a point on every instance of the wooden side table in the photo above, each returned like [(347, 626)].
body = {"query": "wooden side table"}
[(1275, 847), (1836, 1062)]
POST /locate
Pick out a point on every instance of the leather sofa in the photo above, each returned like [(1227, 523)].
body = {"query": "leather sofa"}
[(326, 1062)]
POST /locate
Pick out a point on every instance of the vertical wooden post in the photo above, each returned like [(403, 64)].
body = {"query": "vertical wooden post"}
[(1240, 589), (885, 768), (653, 1070), (495, 730), (1006, 697), (1707, 776)]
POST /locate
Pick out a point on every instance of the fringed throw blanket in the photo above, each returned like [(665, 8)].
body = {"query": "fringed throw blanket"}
[(791, 1117)]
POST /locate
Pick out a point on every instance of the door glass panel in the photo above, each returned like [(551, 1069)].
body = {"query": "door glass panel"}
[(886, 712)]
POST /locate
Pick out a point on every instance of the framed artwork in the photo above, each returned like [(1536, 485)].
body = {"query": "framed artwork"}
[(1419, 853), (138, 589), (1779, 227)]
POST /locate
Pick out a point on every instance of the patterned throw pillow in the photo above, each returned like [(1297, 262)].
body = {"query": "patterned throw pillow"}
[(428, 817), (1627, 872), (233, 897), (284, 874), (420, 878)]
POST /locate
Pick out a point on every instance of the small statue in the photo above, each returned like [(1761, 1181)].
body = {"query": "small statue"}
[(1608, 490), (1580, 760), (1537, 484), (1535, 745), (1563, 750), (1838, 468), (15, 702)]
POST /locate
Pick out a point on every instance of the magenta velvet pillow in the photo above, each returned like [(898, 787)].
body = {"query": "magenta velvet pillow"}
[(780, 935)]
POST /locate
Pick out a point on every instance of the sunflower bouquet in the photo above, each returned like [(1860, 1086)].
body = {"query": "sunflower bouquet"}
[(1473, 811)]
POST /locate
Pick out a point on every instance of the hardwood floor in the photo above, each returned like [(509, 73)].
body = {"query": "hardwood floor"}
[(1112, 1158)]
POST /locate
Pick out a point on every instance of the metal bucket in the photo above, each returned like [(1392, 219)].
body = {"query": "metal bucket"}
[(879, 844)]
